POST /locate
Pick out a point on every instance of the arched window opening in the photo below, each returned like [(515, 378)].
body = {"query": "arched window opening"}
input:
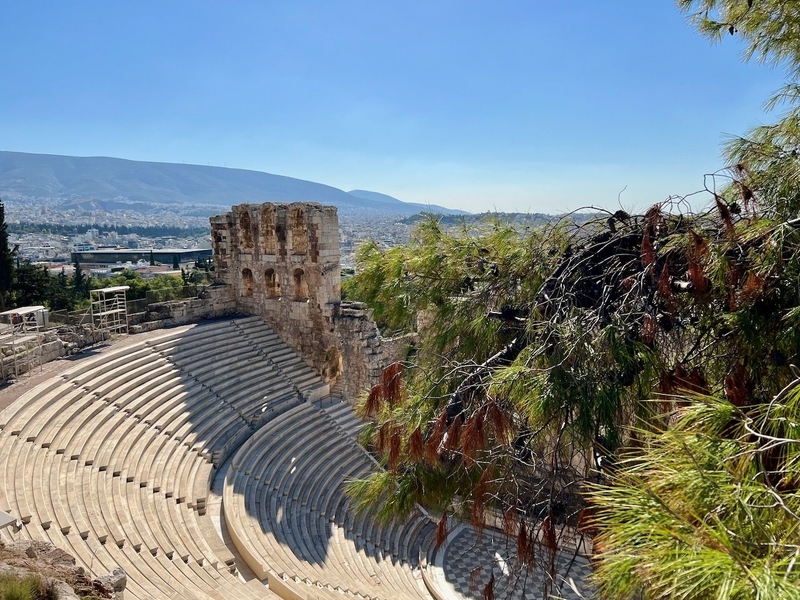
[(269, 241), (272, 283), (246, 229), (299, 232), (300, 285), (247, 282)]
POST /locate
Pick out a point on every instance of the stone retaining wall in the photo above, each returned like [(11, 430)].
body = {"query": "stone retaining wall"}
[(215, 301)]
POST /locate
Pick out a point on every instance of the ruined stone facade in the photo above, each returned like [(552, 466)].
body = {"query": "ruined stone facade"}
[(281, 261)]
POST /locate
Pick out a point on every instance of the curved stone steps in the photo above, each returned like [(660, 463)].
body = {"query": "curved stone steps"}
[(142, 433), (112, 462), (284, 504), (295, 369)]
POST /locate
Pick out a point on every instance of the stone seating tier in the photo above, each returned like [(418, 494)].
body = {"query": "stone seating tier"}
[(274, 512), (346, 419), (112, 459)]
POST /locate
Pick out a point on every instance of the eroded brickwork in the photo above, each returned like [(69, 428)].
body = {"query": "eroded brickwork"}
[(281, 261)]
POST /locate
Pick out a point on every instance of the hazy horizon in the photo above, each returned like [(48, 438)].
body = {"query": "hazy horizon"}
[(539, 108)]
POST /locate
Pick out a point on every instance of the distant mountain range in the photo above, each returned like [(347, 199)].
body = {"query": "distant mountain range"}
[(119, 184)]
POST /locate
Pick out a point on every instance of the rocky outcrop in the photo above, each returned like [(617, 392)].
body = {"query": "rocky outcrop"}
[(57, 568), (112, 583)]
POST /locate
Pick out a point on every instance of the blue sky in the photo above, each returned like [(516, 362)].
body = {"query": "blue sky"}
[(509, 105)]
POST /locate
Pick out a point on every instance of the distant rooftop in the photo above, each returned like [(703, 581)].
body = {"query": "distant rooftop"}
[(161, 255), (147, 251)]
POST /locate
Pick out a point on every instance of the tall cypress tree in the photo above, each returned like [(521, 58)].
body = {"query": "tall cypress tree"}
[(6, 260), (79, 286)]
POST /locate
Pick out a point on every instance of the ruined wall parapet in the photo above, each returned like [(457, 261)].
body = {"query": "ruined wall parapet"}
[(279, 251), (365, 352), (213, 302), (281, 262)]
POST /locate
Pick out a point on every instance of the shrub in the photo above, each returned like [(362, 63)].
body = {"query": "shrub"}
[(29, 587)]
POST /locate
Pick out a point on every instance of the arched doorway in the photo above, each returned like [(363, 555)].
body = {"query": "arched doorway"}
[(247, 282)]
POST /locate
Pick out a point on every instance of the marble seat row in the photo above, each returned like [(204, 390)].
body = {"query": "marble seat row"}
[(243, 376), (286, 508), (345, 417), (112, 460), (87, 508), (94, 517), (259, 334)]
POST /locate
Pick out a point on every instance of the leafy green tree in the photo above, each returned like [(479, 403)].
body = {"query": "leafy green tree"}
[(764, 161), (138, 285), (538, 355), (166, 287), (539, 352), (160, 288), (707, 506), (61, 296), (32, 285), (80, 283)]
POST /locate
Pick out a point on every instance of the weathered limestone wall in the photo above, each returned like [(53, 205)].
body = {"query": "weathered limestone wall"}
[(364, 352), (215, 301), (281, 262), (396, 349), (358, 341)]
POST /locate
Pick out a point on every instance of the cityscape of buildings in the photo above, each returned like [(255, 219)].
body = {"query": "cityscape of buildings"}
[(96, 229)]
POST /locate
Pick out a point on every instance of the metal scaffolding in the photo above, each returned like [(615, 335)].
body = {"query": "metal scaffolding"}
[(21, 338), (109, 309)]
